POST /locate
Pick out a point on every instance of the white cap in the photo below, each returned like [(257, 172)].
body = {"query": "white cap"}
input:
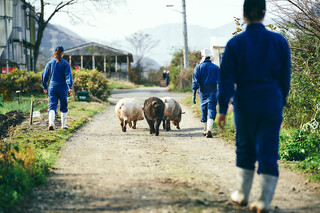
[(206, 53)]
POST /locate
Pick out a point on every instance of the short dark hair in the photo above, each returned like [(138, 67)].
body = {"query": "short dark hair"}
[(58, 53), (60, 48), (254, 10)]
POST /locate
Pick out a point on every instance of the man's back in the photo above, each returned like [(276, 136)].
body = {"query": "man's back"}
[(205, 77)]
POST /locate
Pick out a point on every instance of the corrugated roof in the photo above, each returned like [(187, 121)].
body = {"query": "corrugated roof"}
[(96, 49)]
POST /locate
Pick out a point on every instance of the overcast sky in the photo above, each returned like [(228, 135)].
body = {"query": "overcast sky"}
[(135, 15)]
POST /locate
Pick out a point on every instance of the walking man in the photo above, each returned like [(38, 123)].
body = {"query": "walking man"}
[(205, 79), (255, 70), (58, 71)]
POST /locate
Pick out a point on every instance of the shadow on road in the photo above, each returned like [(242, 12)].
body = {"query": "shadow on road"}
[(157, 195)]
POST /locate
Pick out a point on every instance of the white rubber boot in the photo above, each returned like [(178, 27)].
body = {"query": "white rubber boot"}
[(241, 195), (64, 120), (52, 115), (204, 128), (268, 185), (209, 128)]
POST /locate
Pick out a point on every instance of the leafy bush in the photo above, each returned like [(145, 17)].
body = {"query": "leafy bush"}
[(14, 181), (181, 79), (26, 82), (1, 100), (299, 145), (304, 99), (91, 81)]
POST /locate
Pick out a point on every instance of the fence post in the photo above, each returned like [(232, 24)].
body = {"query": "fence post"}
[(31, 112)]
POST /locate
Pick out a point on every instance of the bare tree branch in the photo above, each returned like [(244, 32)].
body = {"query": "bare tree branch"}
[(42, 6), (302, 15)]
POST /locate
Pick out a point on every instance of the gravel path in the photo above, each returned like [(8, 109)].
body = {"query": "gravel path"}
[(103, 169)]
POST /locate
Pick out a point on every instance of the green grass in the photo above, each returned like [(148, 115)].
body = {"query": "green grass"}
[(117, 84), (228, 133), (31, 151), (299, 149), (23, 104)]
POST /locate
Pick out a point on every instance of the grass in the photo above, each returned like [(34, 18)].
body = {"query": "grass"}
[(23, 104), (27, 156), (117, 84), (228, 133), (299, 150)]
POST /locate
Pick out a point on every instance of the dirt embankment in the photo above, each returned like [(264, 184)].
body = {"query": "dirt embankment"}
[(10, 119)]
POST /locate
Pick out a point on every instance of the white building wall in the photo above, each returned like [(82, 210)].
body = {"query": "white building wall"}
[(6, 9), (217, 46)]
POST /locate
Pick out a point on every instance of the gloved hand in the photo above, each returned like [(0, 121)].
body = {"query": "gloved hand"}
[(194, 99)]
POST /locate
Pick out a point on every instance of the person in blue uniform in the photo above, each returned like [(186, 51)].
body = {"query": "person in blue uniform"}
[(58, 72), (205, 79), (256, 72)]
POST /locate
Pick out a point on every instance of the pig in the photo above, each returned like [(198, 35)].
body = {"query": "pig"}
[(153, 111), (172, 112), (129, 111)]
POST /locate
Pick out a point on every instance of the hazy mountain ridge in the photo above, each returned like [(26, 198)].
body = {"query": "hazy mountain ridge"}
[(55, 35), (170, 36)]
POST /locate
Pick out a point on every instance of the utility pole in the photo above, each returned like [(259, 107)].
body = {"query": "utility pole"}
[(185, 36), (7, 36)]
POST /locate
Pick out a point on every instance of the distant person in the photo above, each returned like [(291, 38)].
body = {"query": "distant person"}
[(205, 79), (58, 71), (167, 78), (255, 70), (164, 74)]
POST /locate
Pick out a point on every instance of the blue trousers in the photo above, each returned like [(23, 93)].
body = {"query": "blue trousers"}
[(58, 93), (257, 138), (208, 103)]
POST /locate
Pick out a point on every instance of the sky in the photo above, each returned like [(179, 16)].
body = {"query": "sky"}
[(133, 15)]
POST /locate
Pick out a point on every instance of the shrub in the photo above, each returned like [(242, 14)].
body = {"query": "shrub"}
[(26, 82), (299, 145), (14, 181), (181, 79), (91, 81), (303, 100)]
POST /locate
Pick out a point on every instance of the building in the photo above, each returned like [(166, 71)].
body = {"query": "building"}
[(113, 62), (217, 46), (17, 35)]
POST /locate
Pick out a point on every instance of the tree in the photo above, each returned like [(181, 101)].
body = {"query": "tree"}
[(302, 15), (180, 77), (47, 9), (141, 44), (299, 21)]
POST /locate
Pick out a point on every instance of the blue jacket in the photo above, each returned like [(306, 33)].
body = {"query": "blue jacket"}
[(256, 66), (58, 73), (205, 77)]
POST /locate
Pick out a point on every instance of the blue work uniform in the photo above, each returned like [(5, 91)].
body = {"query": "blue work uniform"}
[(60, 76), (256, 72), (205, 80)]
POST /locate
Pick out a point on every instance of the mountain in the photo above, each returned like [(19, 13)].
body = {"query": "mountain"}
[(170, 36), (147, 63), (55, 35)]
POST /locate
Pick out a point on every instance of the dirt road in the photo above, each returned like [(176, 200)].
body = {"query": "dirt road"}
[(103, 169)]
